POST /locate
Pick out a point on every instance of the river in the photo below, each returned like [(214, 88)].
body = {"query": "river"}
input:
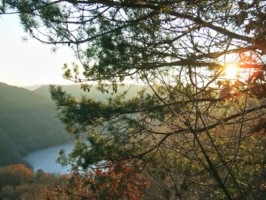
[(45, 159)]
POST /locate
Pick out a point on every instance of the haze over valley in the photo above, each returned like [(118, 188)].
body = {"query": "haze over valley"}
[(29, 121)]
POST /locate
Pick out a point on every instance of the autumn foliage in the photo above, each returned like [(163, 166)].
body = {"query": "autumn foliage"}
[(109, 180), (20, 182)]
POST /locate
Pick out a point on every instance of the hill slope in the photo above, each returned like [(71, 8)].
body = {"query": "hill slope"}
[(94, 93), (28, 121)]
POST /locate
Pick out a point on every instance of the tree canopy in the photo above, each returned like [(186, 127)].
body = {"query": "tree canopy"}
[(191, 131), (117, 39)]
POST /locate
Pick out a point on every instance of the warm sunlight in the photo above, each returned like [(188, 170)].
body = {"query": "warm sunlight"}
[(231, 72)]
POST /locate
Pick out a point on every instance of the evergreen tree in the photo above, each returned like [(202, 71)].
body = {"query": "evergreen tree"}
[(195, 133)]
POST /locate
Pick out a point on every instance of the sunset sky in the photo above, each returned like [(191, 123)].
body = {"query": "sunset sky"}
[(27, 63)]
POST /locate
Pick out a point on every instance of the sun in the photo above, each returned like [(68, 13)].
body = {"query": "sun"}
[(231, 72)]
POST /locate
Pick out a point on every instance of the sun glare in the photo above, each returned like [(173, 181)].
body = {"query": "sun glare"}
[(231, 72)]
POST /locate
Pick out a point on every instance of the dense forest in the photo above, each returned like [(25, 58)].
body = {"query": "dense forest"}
[(28, 122), (20, 182), (196, 132), (36, 126)]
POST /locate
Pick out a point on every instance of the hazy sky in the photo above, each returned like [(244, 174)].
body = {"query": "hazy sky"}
[(26, 63)]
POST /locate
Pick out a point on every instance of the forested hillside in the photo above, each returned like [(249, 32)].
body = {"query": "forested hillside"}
[(76, 91), (28, 121)]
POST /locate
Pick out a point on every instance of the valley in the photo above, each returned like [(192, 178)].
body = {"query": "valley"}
[(28, 122)]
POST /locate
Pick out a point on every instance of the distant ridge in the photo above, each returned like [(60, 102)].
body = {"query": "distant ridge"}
[(94, 93), (28, 122), (74, 90), (32, 87)]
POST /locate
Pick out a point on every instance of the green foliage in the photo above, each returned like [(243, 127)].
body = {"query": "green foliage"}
[(125, 39), (191, 131), (180, 140)]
